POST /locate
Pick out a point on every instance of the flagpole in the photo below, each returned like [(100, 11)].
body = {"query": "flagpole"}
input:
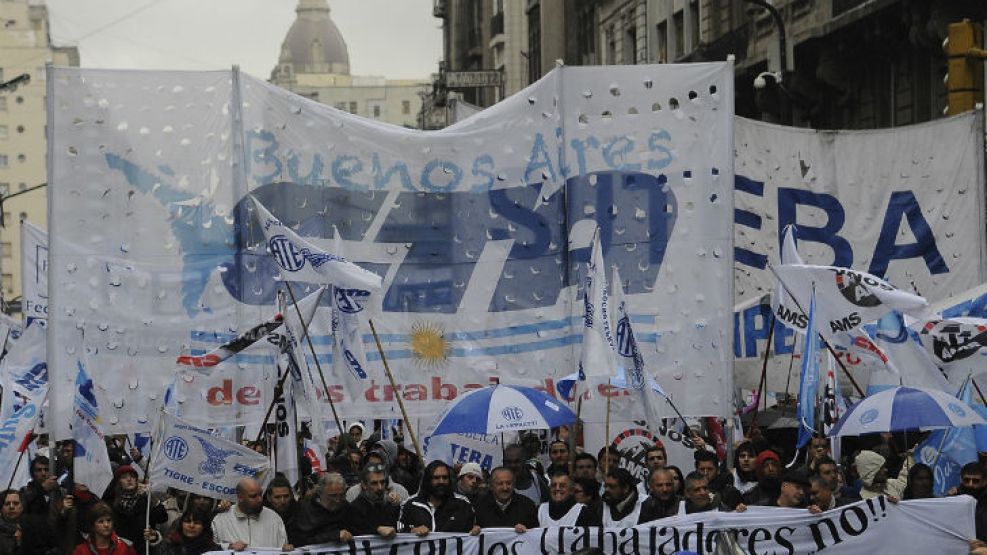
[(762, 382), (606, 449), (575, 425), (278, 392), (853, 381), (977, 387), (397, 393), (308, 339)]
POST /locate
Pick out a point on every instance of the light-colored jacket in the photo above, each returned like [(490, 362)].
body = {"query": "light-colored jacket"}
[(264, 529)]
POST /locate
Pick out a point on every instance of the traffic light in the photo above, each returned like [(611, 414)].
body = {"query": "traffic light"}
[(965, 72)]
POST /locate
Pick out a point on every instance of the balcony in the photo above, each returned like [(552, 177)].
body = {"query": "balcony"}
[(439, 9)]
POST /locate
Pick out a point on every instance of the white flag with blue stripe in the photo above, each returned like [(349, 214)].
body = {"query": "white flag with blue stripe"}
[(809, 381), (598, 358), (302, 261), (91, 463)]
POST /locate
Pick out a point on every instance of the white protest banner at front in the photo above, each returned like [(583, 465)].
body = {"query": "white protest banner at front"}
[(192, 459), (480, 233), (863, 528), (34, 271)]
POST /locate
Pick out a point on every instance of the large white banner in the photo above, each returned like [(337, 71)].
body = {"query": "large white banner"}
[(481, 232), (863, 528), (905, 204), (34, 271)]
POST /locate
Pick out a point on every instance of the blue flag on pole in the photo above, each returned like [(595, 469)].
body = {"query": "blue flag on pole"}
[(955, 447), (809, 379)]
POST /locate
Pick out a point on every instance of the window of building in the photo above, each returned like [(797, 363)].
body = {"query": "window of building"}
[(19, 100), (630, 45), (341, 106), (611, 41), (4, 189), (352, 107), (5, 250), (534, 44), (586, 36), (661, 37), (376, 111), (3, 161), (3, 103), (3, 131), (693, 26), (22, 216), (22, 186), (405, 107), (20, 128), (8, 282), (21, 158), (679, 26)]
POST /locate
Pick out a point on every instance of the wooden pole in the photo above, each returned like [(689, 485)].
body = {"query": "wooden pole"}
[(980, 393), (311, 348), (762, 382), (575, 426), (278, 392), (397, 393)]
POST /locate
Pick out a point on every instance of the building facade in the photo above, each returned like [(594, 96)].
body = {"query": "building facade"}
[(25, 48), (851, 64), (315, 63)]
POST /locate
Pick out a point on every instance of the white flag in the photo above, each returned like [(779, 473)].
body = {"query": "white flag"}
[(300, 260), (633, 375), (304, 374), (909, 363), (598, 358), (91, 464), (788, 255), (286, 447), (846, 299), (34, 271), (957, 345), (192, 459), (25, 370)]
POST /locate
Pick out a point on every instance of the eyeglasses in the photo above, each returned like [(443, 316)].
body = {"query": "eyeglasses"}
[(376, 468)]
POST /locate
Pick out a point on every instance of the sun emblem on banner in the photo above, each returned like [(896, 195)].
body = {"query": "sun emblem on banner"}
[(429, 345)]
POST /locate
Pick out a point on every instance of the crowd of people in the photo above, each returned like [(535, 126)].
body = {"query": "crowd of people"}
[(378, 487)]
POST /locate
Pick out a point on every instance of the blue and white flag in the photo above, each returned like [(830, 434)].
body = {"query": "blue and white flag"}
[(347, 306), (946, 451), (598, 358), (909, 364), (809, 379), (632, 374), (91, 463), (302, 261), (24, 370), (192, 459)]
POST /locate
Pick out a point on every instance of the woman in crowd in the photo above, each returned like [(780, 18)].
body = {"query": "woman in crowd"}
[(919, 483), (679, 480), (103, 540), (191, 535)]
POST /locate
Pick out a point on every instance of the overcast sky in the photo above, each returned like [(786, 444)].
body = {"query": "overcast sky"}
[(392, 38)]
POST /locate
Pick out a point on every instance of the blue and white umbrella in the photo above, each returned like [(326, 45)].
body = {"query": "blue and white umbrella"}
[(906, 408), (503, 408)]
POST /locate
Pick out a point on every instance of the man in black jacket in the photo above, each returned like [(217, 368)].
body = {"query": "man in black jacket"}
[(504, 507), (21, 533), (372, 512), (662, 501), (720, 483), (38, 493), (622, 504), (325, 517), (436, 508), (281, 499)]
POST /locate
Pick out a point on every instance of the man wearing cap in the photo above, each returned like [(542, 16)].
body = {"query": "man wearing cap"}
[(436, 508), (767, 467), (130, 507), (874, 475), (793, 487), (468, 481)]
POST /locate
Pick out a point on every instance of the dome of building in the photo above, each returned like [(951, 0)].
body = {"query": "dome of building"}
[(313, 44)]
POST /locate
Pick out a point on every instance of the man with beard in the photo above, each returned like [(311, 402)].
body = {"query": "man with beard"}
[(38, 493), (874, 475), (21, 532), (372, 511), (436, 508), (468, 484), (622, 506), (528, 482), (561, 509), (504, 506), (584, 466), (558, 454), (654, 458), (662, 501), (973, 482), (325, 517), (720, 483), (249, 523), (280, 498), (767, 467)]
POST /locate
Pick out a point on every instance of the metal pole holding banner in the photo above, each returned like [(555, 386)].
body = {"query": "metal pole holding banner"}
[(763, 381), (308, 339), (397, 392)]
